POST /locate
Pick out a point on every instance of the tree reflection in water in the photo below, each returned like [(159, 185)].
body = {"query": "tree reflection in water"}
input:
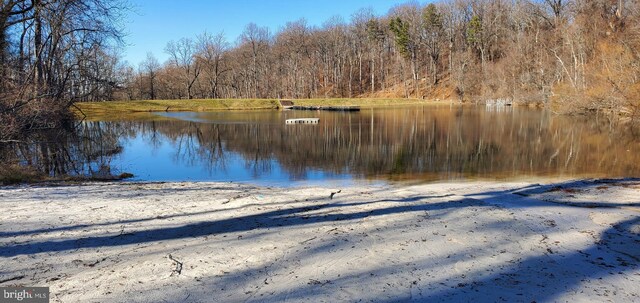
[(416, 143), (85, 151)]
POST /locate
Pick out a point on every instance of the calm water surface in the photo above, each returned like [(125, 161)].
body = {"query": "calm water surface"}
[(409, 143)]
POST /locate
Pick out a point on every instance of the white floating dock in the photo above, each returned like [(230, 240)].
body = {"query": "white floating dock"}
[(303, 121)]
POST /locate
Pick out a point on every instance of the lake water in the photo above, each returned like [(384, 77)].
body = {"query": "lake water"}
[(430, 143)]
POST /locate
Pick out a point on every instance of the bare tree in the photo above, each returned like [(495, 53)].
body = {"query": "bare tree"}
[(150, 67), (211, 50), (183, 56), (256, 40), (433, 31), (62, 54)]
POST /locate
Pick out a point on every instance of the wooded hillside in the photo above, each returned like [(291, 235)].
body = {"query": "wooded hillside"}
[(581, 54)]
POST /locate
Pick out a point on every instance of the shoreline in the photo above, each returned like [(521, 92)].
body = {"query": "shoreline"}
[(91, 109), (575, 240)]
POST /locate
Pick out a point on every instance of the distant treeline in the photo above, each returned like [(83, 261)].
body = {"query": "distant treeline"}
[(582, 54), (578, 55)]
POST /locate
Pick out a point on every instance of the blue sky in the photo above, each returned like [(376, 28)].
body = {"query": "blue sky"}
[(153, 23)]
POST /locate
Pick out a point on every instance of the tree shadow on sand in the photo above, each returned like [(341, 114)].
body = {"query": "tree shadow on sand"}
[(288, 217), (616, 251)]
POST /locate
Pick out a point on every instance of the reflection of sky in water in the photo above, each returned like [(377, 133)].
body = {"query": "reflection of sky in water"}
[(205, 117), (161, 162), (401, 144)]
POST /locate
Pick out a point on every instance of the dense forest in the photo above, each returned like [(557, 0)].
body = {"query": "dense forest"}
[(577, 56)]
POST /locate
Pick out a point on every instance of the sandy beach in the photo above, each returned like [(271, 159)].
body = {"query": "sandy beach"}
[(572, 241)]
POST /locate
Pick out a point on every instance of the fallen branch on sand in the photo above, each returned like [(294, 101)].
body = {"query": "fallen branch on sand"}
[(178, 269), (333, 193), (235, 198), (318, 282), (307, 240), (12, 279)]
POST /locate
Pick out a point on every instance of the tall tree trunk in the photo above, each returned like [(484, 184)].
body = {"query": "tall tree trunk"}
[(414, 72), (3, 58), (350, 78), (373, 75), (38, 45), (151, 85), (360, 73)]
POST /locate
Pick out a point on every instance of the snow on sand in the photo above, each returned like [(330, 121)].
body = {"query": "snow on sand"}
[(200, 242)]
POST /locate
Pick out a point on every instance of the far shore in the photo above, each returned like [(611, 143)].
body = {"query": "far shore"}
[(204, 105), (481, 241)]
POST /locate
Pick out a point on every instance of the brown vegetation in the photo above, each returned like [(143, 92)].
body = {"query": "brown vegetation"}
[(53, 53), (13, 174), (579, 56)]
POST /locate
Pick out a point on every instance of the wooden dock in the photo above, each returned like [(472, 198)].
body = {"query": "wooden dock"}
[(302, 121), (288, 104), (285, 104)]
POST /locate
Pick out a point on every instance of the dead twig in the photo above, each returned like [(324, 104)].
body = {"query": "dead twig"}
[(333, 193), (235, 198), (94, 263), (307, 240), (12, 279), (178, 269), (318, 282)]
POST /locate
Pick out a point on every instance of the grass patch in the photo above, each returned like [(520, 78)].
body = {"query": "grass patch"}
[(195, 105), (108, 109), (363, 102)]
